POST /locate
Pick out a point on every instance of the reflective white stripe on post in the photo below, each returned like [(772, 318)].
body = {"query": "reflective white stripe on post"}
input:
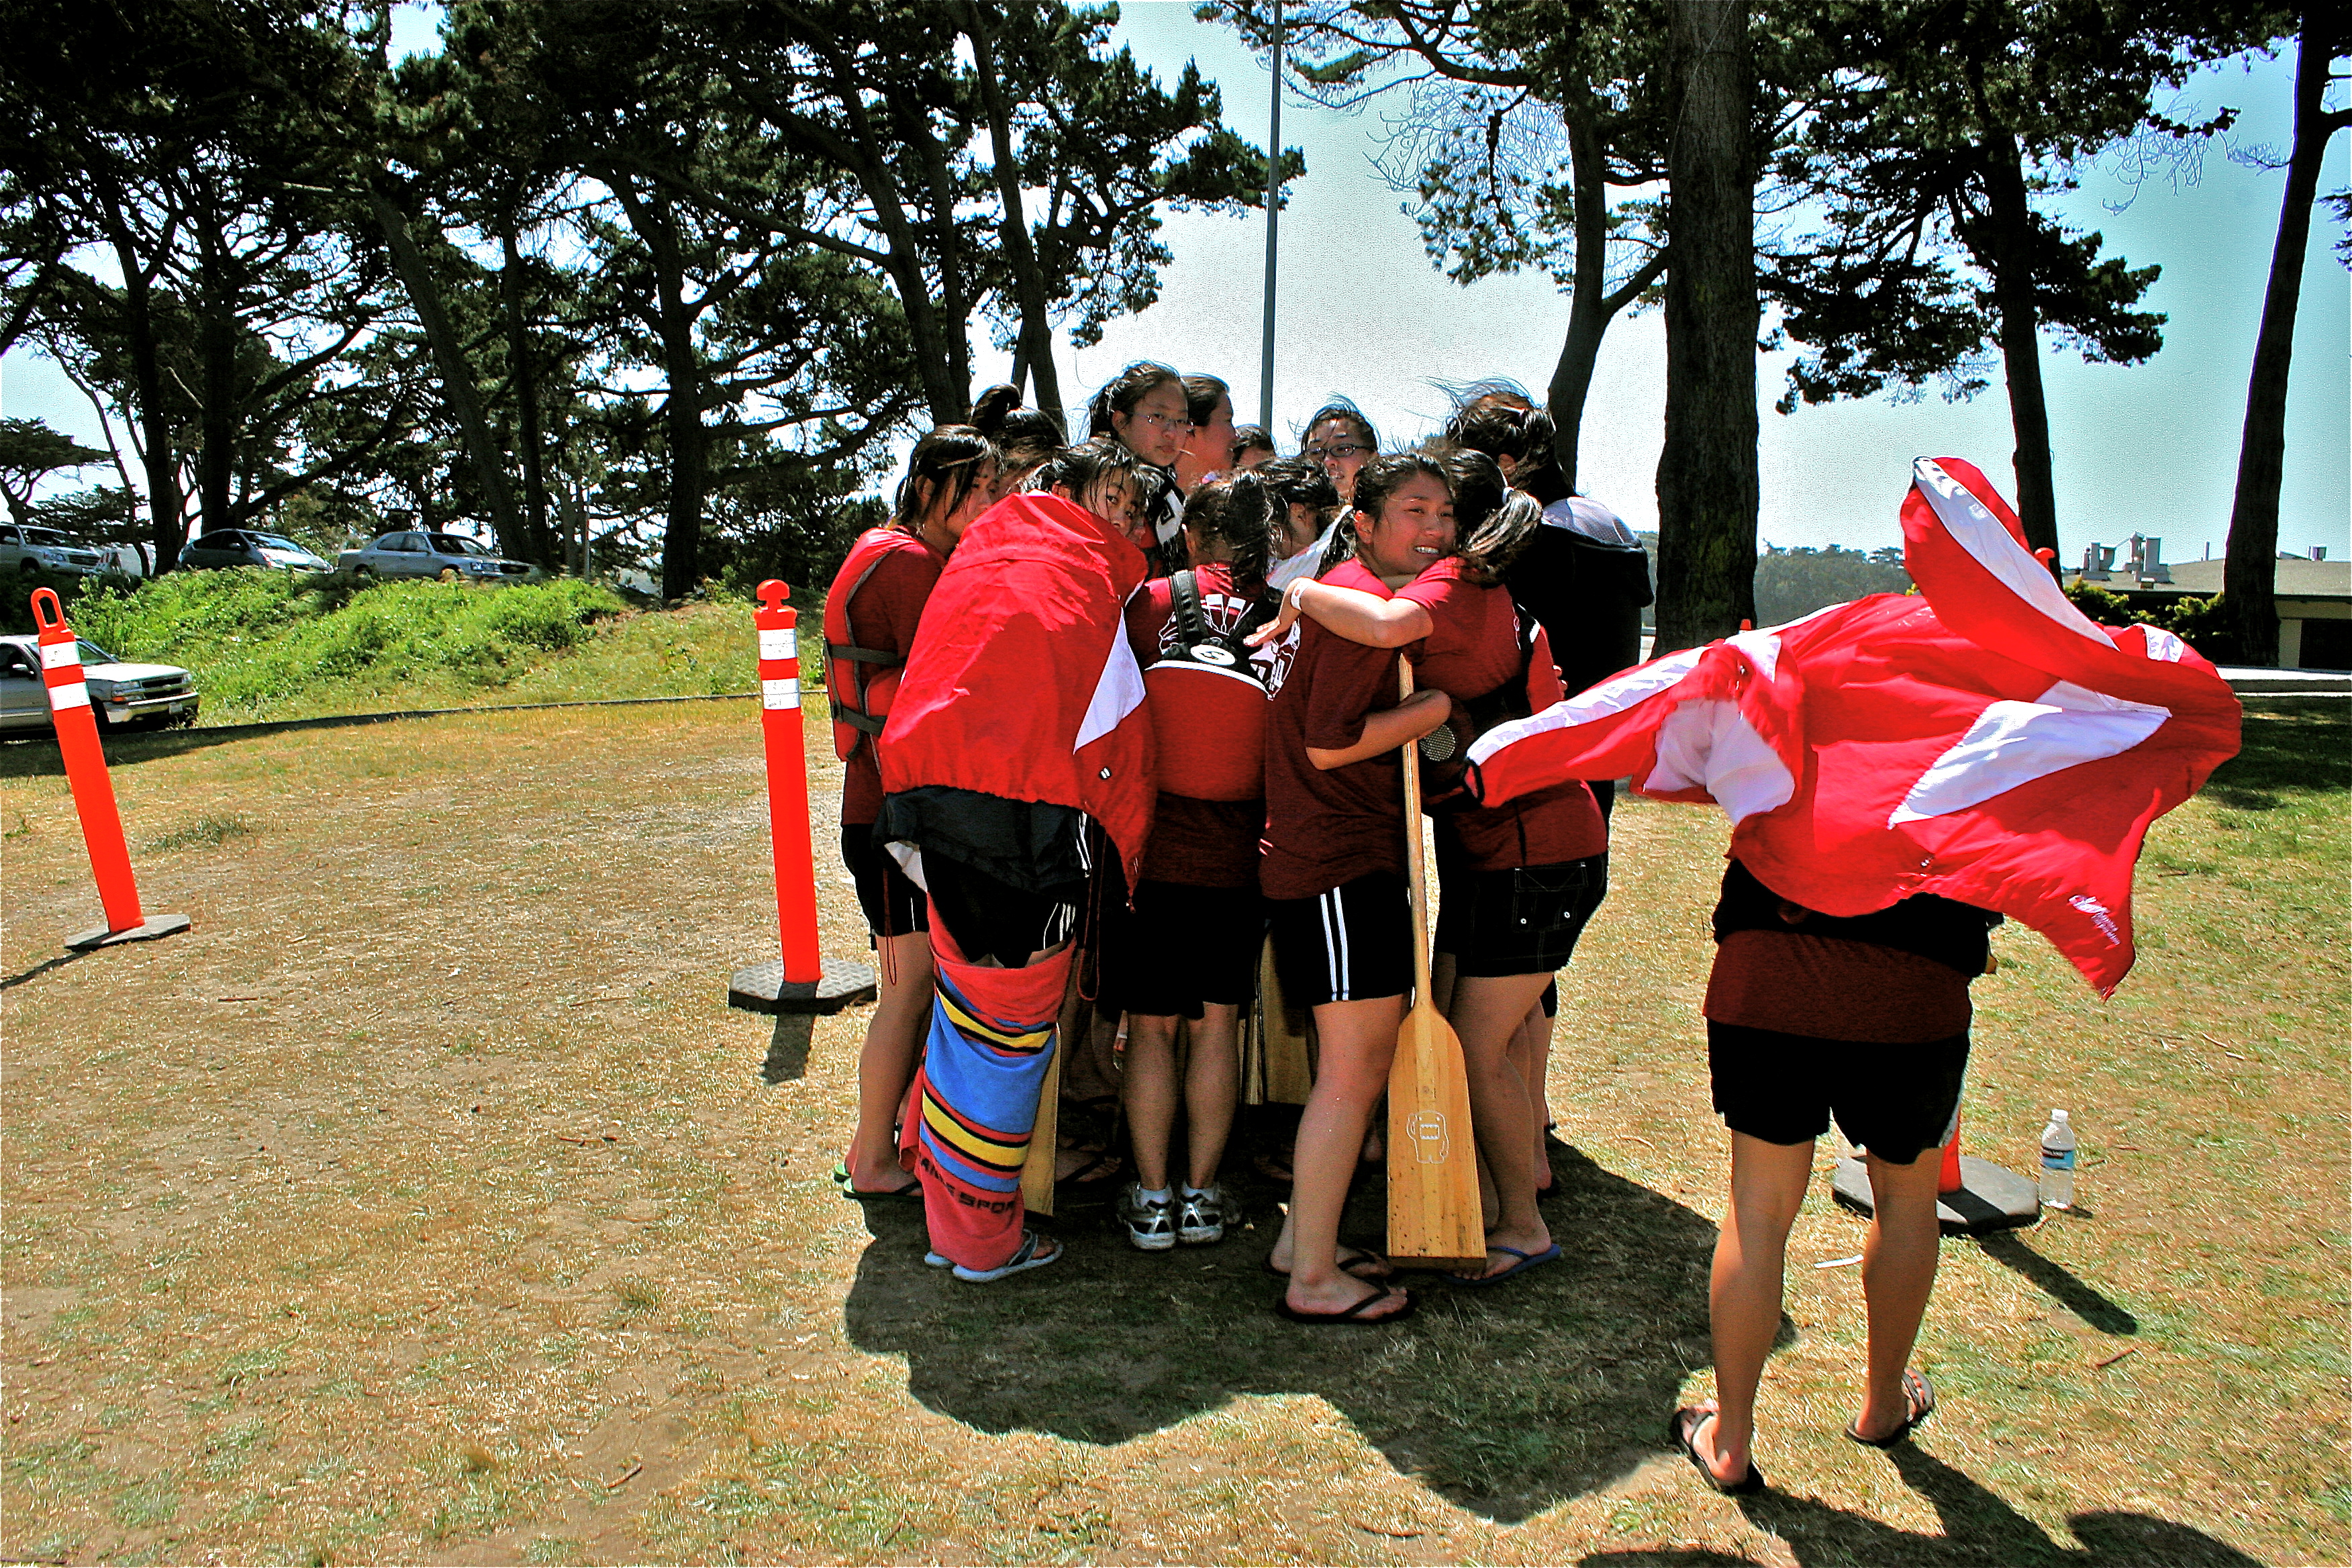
[(780, 694), (785, 644), (74, 696), (54, 654)]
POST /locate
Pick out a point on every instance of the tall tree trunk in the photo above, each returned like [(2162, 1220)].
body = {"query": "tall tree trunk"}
[(653, 217), (2008, 259), (1706, 474), (166, 512), (2249, 575), (1588, 316), (216, 347), (458, 382), (1034, 351), (526, 388)]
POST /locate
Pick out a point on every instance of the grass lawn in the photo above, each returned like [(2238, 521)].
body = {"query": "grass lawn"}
[(425, 1203)]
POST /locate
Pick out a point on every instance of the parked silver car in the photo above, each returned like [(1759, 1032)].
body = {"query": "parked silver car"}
[(451, 557), (250, 547), (120, 694), (26, 548)]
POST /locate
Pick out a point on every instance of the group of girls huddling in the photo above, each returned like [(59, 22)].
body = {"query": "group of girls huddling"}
[(1115, 711)]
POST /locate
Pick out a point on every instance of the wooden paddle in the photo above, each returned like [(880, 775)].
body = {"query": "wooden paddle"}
[(1433, 1215)]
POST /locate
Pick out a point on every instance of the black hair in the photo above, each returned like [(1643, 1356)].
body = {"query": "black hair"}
[(947, 463), (1486, 390), (1122, 392), (1301, 481), (1342, 408), (1200, 394), (1079, 468), (1240, 512), (1493, 523), (1023, 436), (1375, 481), (1497, 417), (1249, 438)]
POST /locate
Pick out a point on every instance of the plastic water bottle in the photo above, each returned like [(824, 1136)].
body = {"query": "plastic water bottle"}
[(2058, 1161)]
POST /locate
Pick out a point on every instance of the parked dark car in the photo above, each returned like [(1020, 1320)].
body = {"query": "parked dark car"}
[(451, 557), (246, 547)]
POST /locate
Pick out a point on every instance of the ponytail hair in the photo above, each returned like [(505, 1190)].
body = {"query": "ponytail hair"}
[(1493, 522), (1024, 438), (947, 463), (1239, 513)]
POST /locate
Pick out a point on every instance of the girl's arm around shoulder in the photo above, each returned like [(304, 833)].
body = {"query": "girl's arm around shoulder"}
[(1352, 613), (1389, 729)]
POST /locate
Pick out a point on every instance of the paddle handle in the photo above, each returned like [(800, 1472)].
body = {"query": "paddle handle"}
[(1416, 872)]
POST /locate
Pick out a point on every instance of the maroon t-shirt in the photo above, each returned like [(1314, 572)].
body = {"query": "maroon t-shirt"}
[(1326, 828), (882, 616), (1199, 717), (1472, 648), (1832, 989)]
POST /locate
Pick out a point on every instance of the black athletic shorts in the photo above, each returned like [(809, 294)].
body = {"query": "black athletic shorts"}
[(1893, 1100), (989, 918), (893, 905), (1184, 946), (1351, 945), (1524, 920)]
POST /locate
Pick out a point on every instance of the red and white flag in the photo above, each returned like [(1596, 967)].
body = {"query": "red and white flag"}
[(1981, 739)]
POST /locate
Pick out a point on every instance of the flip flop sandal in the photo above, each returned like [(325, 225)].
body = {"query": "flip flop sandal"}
[(912, 1191), (1681, 1429), (1919, 1398), (1105, 1165), (1352, 1317), (1029, 1257), (1351, 1266), (1527, 1261)]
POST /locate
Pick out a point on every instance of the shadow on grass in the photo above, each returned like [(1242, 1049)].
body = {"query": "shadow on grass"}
[(36, 756), (1507, 1400), (1979, 1528), (2077, 1297), (2292, 747)]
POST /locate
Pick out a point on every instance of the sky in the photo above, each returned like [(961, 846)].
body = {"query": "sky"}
[(2151, 448)]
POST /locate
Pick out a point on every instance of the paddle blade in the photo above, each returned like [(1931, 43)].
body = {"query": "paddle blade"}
[(1433, 1217)]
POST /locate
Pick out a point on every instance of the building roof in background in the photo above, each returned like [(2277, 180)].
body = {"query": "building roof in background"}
[(2297, 578)]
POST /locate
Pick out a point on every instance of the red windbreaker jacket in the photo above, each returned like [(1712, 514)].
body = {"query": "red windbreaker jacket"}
[(1021, 682)]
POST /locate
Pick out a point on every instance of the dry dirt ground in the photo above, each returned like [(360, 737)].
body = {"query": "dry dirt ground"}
[(425, 1203)]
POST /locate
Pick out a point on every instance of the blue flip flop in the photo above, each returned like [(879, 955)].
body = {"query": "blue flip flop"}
[(1527, 1261)]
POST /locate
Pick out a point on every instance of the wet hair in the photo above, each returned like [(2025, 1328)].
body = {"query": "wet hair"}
[(1201, 396), (1079, 468), (1240, 512), (1301, 481), (1375, 482), (1122, 392), (1024, 438), (1249, 438), (947, 463), (1493, 523), (1342, 408)]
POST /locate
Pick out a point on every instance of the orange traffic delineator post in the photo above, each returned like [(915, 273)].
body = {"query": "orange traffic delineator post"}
[(801, 982), (93, 787), (1973, 1196)]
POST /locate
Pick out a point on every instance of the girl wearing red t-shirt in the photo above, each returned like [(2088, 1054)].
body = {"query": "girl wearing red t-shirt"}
[(1189, 949), (870, 614), (1333, 874), (1513, 878)]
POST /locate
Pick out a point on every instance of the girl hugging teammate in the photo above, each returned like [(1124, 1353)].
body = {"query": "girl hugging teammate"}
[(1191, 949)]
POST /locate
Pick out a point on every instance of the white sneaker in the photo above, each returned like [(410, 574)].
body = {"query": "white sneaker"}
[(1200, 1216), (1151, 1223)]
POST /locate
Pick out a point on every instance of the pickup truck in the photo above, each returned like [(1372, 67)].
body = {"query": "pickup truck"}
[(451, 557), (120, 694)]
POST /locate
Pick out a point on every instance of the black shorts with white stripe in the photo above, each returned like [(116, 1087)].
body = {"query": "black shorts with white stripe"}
[(1351, 945)]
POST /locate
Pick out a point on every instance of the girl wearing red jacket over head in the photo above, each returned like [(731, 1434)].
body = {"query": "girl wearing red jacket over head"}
[(1333, 874), (1016, 762), (870, 616), (1513, 877)]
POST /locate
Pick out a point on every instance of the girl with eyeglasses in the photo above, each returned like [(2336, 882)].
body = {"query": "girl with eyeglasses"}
[(1338, 437), (1144, 409)]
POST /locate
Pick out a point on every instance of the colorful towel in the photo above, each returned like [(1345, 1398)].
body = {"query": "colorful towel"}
[(975, 1097)]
